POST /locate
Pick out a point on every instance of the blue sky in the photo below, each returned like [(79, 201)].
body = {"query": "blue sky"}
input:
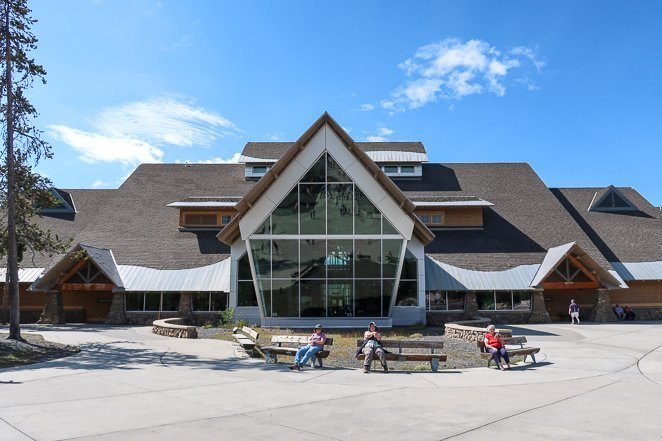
[(571, 87)]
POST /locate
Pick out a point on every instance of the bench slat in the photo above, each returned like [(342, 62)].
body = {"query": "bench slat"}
[(410, 357), (408, 344), (296, 340)]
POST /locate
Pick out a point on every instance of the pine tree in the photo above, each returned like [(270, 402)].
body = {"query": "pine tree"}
[(22, 191)]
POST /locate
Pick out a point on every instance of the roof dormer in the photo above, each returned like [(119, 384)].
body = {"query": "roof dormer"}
[(205, 213), (611, 199)]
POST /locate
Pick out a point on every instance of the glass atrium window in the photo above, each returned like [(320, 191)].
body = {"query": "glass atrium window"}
[(326, 250)]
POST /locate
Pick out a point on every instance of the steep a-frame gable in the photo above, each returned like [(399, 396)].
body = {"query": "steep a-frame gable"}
[(324, 135)]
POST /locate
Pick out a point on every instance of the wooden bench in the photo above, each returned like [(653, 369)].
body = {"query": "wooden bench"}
[(400, 345), (289, 345), (247, 339), (525, 351)]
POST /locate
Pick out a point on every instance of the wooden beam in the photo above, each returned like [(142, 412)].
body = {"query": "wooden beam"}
[(66, 276), (569, 285), (87, 287), (582, 267)]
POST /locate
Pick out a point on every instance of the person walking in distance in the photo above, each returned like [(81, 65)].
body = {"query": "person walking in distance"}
[(573, 310)]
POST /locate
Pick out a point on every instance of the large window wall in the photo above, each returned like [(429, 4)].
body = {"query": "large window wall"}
[(326, 250), (503, 300)]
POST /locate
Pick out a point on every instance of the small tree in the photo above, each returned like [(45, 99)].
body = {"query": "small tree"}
[(22, 191)]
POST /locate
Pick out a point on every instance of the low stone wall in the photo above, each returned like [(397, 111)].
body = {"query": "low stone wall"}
[(472, 330), (170, 328)]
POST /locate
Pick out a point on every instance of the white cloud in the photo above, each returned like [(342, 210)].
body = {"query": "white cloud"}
[(218, 160), (366, 107), (381, 136), (136, 132), (385, 131), (95, 147), (165, 120), (375, 138), (100, 184), (452, 69)]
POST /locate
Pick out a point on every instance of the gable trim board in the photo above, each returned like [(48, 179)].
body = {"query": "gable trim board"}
[(310, 146)]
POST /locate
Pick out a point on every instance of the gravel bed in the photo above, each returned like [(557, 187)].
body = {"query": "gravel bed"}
[(461, 354)]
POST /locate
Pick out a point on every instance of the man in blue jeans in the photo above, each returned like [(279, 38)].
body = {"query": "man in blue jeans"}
[(315, 344)]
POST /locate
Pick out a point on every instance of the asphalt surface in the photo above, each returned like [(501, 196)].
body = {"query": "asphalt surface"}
[(591, 382)]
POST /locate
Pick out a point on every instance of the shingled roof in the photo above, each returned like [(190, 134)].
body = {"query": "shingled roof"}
[(525, 221), (135, 222), (275, 150), (621, 236)]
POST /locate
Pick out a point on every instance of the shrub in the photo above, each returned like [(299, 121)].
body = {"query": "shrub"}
[(226, 318)]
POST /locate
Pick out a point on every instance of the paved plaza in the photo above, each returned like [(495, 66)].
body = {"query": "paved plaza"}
[(594, 381)]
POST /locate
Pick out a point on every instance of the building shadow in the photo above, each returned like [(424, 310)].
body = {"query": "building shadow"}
[(436, 177), (497, 236)]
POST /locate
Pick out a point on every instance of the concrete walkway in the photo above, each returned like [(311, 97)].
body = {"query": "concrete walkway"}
[(601, 382)]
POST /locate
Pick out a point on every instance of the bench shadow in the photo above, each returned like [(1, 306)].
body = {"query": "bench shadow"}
[(518, 331), (531, 366)]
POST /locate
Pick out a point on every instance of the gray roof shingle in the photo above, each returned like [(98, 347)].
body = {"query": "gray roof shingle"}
[(525, 221), (274, 150), (625, 236)]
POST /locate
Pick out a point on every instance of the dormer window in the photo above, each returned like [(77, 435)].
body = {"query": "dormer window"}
[(256, 171), (62, 203), (611, 200), (432, 218), (195, 219), (402, 171)]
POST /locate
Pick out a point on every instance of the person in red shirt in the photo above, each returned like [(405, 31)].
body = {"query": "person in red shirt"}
[(495, 345)]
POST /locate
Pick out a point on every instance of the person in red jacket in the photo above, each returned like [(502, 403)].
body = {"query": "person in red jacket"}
[(495, 345)]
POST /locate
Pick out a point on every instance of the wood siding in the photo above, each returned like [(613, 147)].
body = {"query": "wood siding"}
[(456, 217)]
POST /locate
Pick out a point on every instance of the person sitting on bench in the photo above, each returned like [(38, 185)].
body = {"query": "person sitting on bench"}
[(315, 344), (495, 345), (620, 313), (629, 313), (372, 344)]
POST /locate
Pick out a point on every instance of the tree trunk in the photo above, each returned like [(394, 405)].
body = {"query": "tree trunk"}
[(12, 251)]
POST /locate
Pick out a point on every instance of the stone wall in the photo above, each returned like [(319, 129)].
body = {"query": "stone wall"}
[(171, 328), (472, 330)]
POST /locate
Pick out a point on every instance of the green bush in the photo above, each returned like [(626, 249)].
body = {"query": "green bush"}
[(226, 318)]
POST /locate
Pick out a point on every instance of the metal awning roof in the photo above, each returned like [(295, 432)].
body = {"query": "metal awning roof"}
[(444, 277), (201, 204), (638, 270), (25, 275), (215, 277), (478, 203), (556, 255), (395, 156)]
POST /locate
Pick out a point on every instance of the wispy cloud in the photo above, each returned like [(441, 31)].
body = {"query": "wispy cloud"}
[(381, 136), (100, 184), (216, 160), (452, 69), (366, 107), (137, 132), (95, 147), (165, 120)]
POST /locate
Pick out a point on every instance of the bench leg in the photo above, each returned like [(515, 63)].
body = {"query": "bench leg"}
[(533, 357), (270, 358), (434, 363)]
